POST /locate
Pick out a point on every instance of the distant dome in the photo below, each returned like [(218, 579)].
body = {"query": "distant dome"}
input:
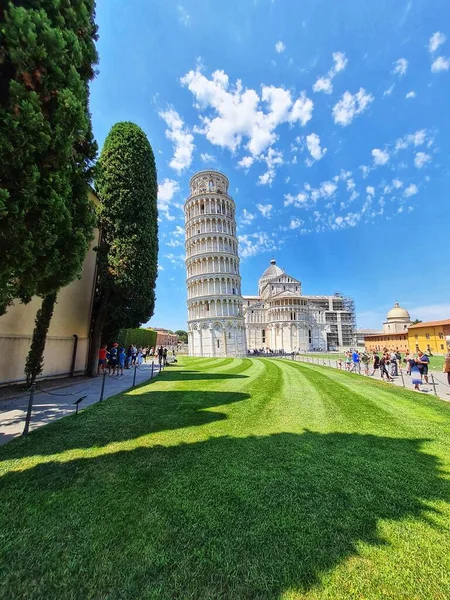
[(398, 314), (272, 271)]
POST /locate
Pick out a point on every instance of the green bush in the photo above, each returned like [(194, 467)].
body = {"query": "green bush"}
[(146, 338)]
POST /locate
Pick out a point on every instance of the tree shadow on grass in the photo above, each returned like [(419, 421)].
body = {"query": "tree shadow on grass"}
[(237, 518), (130, 415)]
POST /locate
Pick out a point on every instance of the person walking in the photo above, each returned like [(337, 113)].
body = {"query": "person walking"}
[(423, 361), (384, 361), (129, 356), (393, 363), (133, 355), (356, 366), (365, 362), (348, 361), (160, 356), (416, 376), (165, 356), (376, 363)]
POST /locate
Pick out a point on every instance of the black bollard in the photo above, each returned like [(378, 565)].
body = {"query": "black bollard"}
[(153, 363), (29, 409), (103, 386), (134, 375)]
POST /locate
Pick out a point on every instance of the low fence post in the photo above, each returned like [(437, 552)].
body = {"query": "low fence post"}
[(134, 374), (433, 383), (103, 386), (29, 409), (153, 364), (403, 379)]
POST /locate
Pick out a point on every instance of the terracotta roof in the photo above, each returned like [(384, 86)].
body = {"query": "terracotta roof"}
[(430, 324), (384, 334)]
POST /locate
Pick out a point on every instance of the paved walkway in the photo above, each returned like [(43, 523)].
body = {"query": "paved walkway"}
[(440, 388), (58, 402)]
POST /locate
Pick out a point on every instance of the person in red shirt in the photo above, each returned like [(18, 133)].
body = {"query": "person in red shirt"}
[(102, 359)]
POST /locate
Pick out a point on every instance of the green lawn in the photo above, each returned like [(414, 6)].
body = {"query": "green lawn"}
[(233, 479), (436, 362)]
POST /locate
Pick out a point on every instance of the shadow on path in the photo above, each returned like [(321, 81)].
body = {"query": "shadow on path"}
[(239, 518)]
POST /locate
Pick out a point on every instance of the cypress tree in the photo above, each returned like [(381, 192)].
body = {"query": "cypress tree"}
[(47, 53), (126, 183)]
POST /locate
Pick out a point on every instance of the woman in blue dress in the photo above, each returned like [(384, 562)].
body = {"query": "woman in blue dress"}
[(416, 376)]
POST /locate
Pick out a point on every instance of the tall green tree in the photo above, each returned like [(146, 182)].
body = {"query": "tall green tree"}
[(47, 53), (126, 183), (182, 335)]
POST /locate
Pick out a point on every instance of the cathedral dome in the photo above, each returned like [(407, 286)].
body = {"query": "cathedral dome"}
[(397, 313), (272, 271)]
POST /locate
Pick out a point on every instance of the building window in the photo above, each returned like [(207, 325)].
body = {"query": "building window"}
[(229, 335), (263, 336), (442, 346), (218, 343), (441, 337), (417, 337), (427, 336)]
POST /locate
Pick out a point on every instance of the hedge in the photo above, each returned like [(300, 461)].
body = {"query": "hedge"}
[(146, 338)]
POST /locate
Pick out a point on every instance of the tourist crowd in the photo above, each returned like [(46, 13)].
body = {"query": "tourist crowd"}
[(390, 363), (115, 359)]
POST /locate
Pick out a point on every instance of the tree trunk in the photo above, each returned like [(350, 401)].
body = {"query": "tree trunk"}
[(96, 339), (35, 359)]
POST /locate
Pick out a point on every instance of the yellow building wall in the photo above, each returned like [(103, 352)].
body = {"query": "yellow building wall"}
[(391, 342), (428, 338), (71, 316)]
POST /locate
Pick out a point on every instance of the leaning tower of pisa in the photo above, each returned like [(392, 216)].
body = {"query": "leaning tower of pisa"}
[(216, 324)]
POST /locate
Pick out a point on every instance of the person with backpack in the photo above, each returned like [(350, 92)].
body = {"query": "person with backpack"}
[(160, 356), (365, 362), (165, 356), (122, 359)]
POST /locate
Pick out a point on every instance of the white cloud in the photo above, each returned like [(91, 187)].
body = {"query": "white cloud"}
[(246, 162), (178, 231), (350, 185), (166, 191), (411, 190), (313, 145), (370, 190), (436, 40), (242, 114), (176, 259), (280, 47), (183, 16), (273, 159), (380, 157), (323, 84), (300, 200), (160, 268), (265, 210), (411, 94), (247, 217), (174, 243), (421, 159), (255, 243), (350, 105), (440, 64), (388, 92), (400, 66), (431, 312), (295, 223), (181, 138), (413, 139), (397, 183), (207, 157)]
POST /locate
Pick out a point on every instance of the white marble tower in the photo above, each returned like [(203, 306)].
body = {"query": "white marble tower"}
[(216, 325)]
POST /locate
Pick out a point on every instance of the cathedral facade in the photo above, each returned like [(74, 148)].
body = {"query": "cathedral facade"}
[(280, 317)]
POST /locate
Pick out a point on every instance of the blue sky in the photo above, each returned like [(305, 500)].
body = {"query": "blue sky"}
[(331, 120)]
